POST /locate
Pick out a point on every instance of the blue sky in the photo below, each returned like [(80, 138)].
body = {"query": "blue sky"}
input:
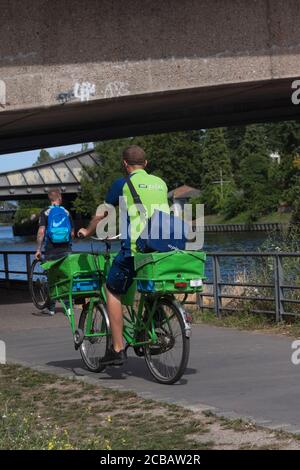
[(14, 161)]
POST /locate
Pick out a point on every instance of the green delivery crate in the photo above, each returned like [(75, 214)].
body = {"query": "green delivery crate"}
[(76, 273), (174, 271)]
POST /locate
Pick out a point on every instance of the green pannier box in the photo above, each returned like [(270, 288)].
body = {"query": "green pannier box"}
[(76, 273), (174, 271)]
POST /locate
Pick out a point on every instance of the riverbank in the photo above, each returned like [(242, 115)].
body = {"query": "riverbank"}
[(274, 217)]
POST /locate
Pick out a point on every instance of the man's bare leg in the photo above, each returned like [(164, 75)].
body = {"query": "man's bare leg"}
[(115, 314)]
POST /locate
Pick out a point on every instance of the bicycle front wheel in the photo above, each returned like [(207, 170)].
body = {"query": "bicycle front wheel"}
[(38, 285), (168, 357), (93, 348)]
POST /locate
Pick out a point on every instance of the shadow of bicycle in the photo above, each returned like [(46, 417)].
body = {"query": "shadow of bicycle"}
[(135, 368)]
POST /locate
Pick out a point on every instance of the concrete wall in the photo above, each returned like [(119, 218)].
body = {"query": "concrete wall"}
[(49, 49)]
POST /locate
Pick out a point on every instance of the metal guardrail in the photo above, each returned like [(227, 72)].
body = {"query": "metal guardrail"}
[(278, 285), (7, 271)]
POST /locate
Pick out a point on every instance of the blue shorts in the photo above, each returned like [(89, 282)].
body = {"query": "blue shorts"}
[(121, 274)]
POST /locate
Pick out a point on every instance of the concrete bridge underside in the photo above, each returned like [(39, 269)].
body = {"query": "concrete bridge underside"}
[(77, 71)]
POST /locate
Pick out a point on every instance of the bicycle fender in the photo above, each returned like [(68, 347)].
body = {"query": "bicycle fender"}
[(187, 324), (104, 310)]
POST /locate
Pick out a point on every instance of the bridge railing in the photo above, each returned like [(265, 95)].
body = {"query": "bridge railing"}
[(232, 278)]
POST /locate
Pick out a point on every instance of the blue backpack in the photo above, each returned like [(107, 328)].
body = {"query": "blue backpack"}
[(59, 225)]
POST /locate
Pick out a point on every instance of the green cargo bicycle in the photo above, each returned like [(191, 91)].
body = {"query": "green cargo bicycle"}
[(156, 324)]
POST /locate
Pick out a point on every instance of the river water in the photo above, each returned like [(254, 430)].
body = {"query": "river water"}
[(239, 241)]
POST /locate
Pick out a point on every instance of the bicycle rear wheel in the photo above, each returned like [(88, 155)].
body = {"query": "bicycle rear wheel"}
[(167, 359), (38, 285), (93, 348)]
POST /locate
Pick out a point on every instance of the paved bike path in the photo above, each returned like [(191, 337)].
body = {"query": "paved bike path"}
[(232, 372)]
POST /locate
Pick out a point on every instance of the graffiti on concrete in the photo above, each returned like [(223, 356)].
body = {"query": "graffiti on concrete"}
[(116, 88), (64, 97), (82, 91), (2, 94)]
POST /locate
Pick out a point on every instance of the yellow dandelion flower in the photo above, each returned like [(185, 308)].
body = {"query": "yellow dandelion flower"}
[(107, 445), (50, 445)]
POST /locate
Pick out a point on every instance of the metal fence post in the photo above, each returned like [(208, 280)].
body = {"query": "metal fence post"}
[(6, 269), (216, 286), (278, 289), (199, 300), (28, 265)]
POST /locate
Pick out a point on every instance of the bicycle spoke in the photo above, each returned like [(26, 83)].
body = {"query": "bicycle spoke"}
[(167, 358), (38, 285), (93, 348)]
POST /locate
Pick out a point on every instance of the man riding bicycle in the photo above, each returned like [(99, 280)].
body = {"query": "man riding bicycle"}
[(153, 193)]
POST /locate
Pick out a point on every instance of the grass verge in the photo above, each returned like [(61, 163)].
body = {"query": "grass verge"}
[(249, 321), (43, 411)]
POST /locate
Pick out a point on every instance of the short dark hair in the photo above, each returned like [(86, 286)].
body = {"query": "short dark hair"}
[(134, 155), (54, 193)]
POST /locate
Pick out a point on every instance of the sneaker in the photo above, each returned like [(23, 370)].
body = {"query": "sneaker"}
[(113, 358), (46, 311)]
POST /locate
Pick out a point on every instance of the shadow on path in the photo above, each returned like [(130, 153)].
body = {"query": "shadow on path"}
[(135, 367)]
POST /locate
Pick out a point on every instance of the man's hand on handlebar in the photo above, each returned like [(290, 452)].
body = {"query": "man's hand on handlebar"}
[(82, 233), (38, 255)]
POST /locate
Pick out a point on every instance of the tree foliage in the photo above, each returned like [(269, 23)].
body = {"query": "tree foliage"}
[(231, 166), (43, 157)]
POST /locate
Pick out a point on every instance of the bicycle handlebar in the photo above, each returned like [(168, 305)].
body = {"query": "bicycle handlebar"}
[(107, 239)]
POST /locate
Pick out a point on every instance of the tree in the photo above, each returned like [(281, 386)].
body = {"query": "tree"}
[(175, 157), (97, 179), (234, 137), (43, 157), (84, 147), (283, 137), (217, 178), (255, 162)]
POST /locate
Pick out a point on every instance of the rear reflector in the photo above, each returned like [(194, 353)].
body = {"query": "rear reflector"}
[(181, 284)]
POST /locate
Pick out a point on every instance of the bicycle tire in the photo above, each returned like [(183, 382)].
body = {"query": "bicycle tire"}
[(96, 367), (42, 302), (152, 357)]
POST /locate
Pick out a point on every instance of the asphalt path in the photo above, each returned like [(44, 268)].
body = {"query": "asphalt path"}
[(233, 373)]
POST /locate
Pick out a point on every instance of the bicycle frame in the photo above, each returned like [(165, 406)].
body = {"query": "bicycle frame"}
[(136, 323)]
